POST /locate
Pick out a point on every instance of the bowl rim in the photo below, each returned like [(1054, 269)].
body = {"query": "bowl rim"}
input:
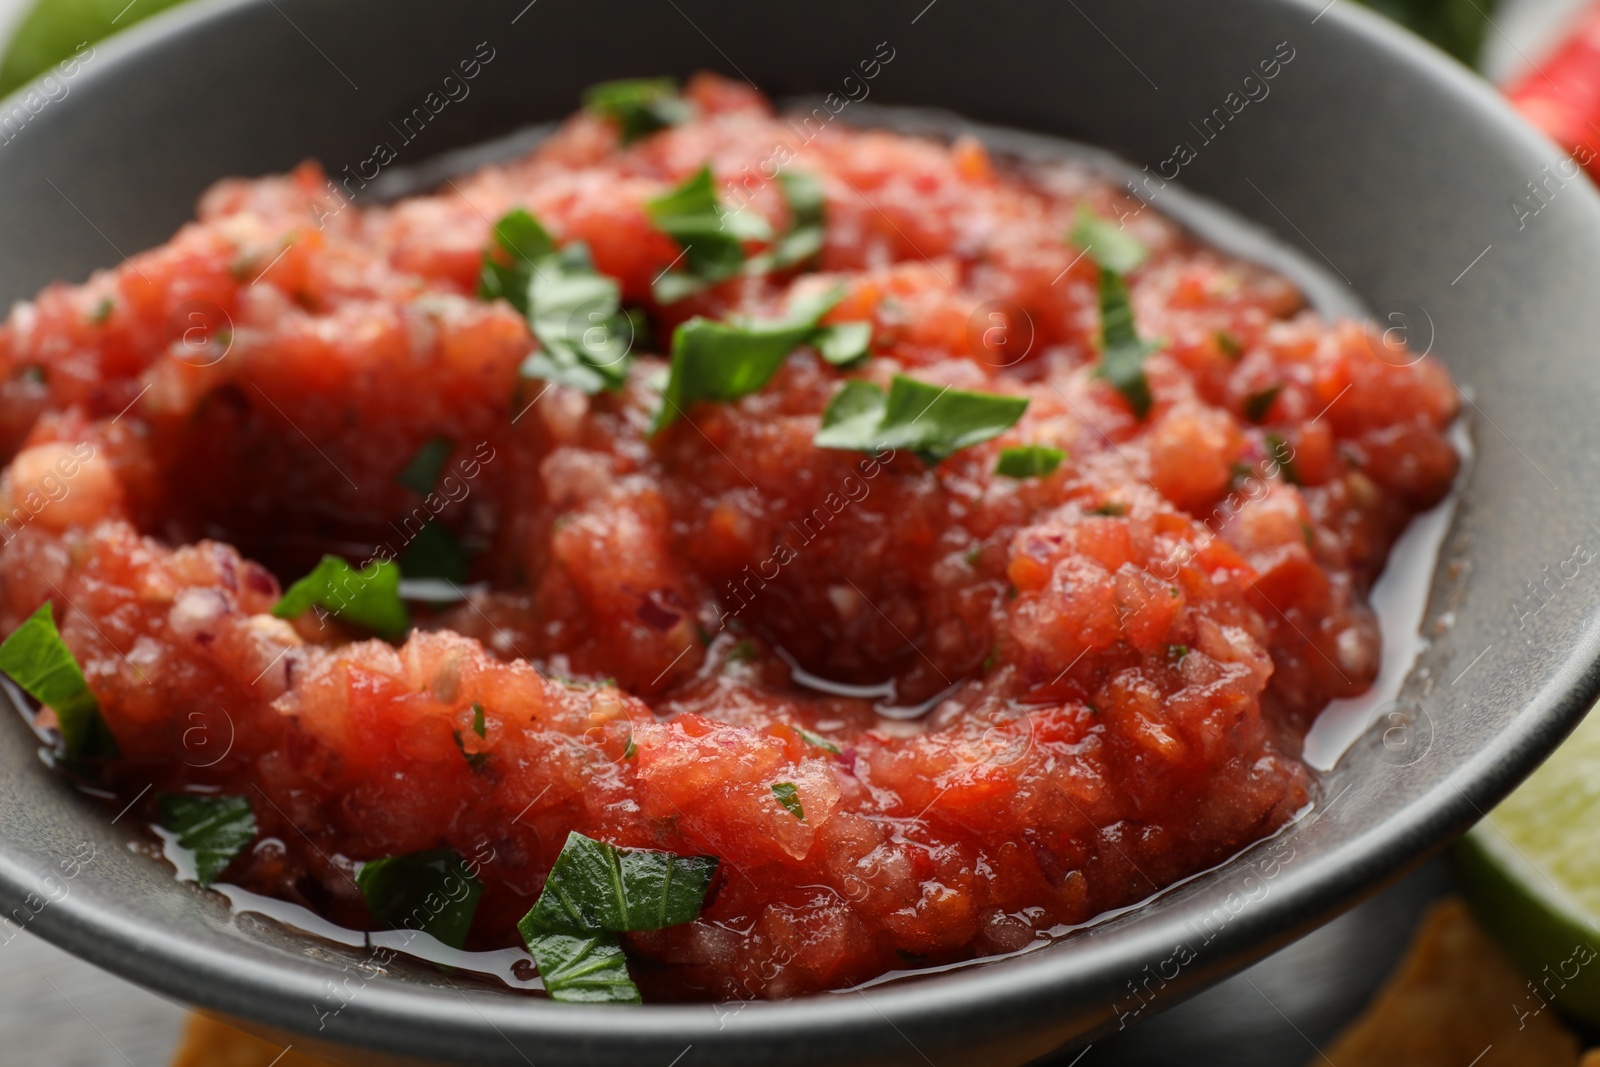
[(391, 1016)]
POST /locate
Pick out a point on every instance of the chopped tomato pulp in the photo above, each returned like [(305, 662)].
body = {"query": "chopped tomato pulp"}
[(1089, 683)]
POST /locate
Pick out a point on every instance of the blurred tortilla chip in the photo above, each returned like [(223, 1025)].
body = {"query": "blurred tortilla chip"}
[(208, 1043), (1455, 1000)]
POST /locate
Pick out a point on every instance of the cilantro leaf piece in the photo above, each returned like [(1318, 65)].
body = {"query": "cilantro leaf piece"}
[(36, 658), (422, 472), (722, 361), (214, 828), (1029, 461), (817, 739), (1107, 243), (597, 886), (844, 344), (583, 968), (369, 597), (1122, 352), (474, 759), (803, 240), (711, 236), (519, 237), (584, 337), (480, 727), (435, 552), (575, 313), (1256, 405), (932, 421), (789, 797), (432, 891), (1229, 344), (1280, 453), (639, 106)]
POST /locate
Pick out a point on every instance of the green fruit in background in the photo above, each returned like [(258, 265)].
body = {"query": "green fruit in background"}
[(1531, 872), (1457, 26), (54, 30)]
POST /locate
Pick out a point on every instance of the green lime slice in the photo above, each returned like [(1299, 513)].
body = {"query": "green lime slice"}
[(1531, 871), (55, 29)]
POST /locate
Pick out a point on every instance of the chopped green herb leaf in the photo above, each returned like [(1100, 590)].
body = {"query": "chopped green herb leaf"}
[(432, 891), (422, 472), (743, 652), (1177, 652), (435, 552), (1256, 405), (474, 759), (596, 890), (711, 236), (583, 968), (630, 750), (1229, 344), (722, 361), (804, 237), (1029, 461), (1112, 509), (584, 338), (1107, 243), (573, 311), (930, 420), (596, 886), (369, 597), (40, 662), (519, 238), (817, 739), (214, 828), (102, 311), (1122, 352), (479, 725), (639, 106), (1280, 453), (1308, 533), (844, 344), (789, 797)]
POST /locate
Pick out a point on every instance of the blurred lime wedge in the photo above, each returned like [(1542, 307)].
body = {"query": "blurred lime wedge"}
[(54, 30), (1531, 871)]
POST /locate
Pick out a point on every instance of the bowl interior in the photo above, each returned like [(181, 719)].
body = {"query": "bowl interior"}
[(1370, 153)]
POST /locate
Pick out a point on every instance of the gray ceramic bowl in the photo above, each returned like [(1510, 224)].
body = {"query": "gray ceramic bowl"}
[(1372, 153)]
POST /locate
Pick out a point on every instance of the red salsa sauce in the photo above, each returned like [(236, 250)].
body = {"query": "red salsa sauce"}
[(1080, 686)]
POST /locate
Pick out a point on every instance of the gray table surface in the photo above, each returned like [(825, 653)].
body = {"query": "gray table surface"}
[(56, 1011)]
